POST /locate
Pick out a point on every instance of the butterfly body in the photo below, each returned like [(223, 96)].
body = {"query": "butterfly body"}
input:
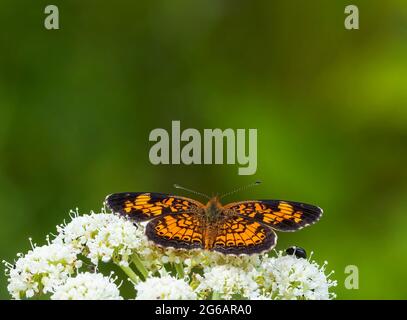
[(237, 228), (213, 218)]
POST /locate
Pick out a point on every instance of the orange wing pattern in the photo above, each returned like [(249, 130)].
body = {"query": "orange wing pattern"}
[(178, 231), (239, 235), (142, 206), (279, 214), (238, 228)]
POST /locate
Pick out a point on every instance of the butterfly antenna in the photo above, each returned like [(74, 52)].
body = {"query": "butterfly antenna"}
[(177, 186), (240, 189)]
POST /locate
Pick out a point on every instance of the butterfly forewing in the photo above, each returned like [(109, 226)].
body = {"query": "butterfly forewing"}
[(281, 215), (142, 206)]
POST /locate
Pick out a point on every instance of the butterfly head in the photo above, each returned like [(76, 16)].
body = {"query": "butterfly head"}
[(214, 202), (213, 208)]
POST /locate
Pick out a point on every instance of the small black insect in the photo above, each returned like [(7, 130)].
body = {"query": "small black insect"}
[(296, 251)]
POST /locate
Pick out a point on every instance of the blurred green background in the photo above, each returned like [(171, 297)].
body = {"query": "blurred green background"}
[(77, 106)]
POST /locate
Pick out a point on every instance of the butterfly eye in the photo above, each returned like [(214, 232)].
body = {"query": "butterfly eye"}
[(296, 251)]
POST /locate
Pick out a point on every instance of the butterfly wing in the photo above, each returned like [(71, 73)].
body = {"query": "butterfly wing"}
[(239, 235), (278, 214), (181, 231), (142, 206)]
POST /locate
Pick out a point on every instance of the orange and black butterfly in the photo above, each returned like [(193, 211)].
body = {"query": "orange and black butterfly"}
[(244, 227)]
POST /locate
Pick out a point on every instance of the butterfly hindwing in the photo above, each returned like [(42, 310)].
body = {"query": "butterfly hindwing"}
[(239, 235), (278, 214), (178, 231), (142, 206)]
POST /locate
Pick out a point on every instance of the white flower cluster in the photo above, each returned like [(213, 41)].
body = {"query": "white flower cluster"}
[(87, 286), (41, 269), (283, 277), (102, 237), (290, 278), (227, 282), (164, 288), (157, 273)]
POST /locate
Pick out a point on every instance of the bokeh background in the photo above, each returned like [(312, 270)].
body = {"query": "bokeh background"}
[(77, 106)]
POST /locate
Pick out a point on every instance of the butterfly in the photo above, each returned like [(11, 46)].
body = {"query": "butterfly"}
[(244, 227)]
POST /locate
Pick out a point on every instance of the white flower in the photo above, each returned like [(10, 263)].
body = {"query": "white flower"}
[(87, 286), (243, 261), (103, 237), (155, 257), (288, 277), (164, 288), (228, 282), (41, 269)]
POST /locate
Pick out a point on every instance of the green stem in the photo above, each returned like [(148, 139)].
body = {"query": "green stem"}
[(180, 270), (130, 273), (139, 265), (216, 295)]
